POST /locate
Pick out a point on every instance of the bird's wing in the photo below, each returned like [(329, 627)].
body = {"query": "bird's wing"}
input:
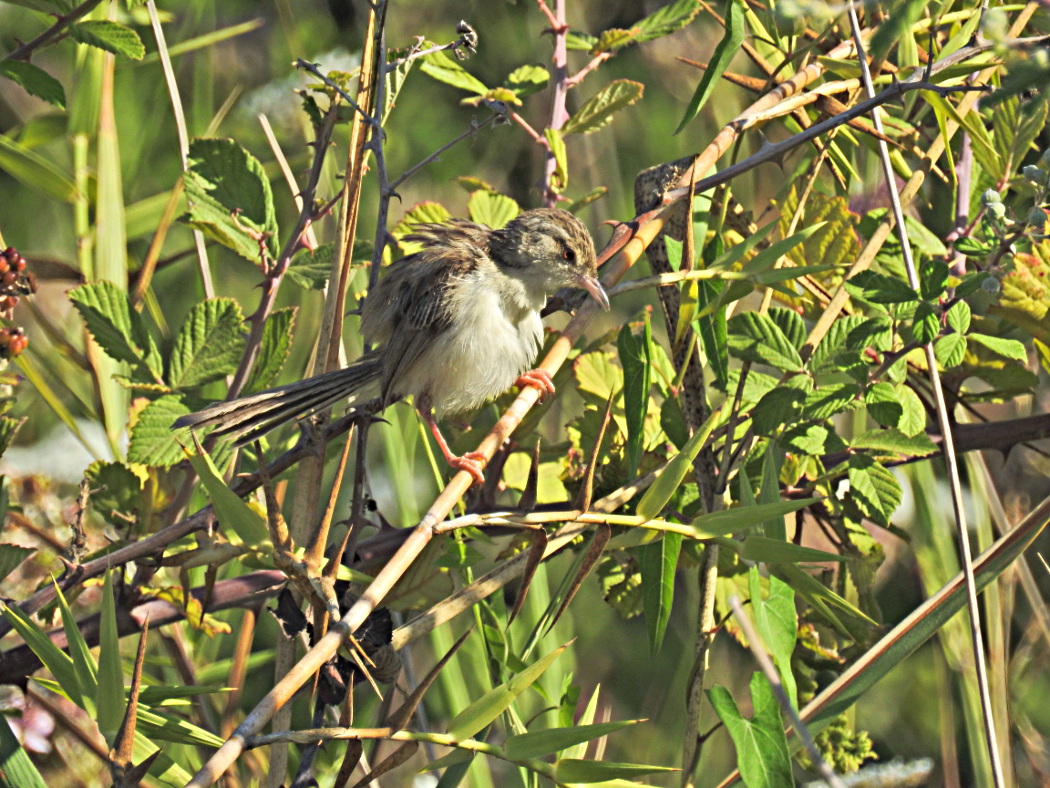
[(411, 306)]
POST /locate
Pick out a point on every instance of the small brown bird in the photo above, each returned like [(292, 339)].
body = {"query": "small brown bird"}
[(454, 325)]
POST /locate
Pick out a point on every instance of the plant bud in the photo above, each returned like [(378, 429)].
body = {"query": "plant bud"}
[(996, 210), (1034, 174), (991, 197)]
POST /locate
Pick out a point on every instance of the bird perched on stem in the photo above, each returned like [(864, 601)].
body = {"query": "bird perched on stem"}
[(453, 326)]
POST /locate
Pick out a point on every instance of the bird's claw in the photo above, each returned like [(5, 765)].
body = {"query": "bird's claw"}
[(539, 379), (472, 462)]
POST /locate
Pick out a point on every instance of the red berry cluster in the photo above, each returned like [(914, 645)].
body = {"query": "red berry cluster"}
[(15, 280), (12, 342)]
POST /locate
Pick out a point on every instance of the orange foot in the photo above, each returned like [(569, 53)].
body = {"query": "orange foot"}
[(539, 379), (472, 462)]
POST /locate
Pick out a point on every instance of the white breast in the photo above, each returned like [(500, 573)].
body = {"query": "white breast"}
[(496, 338)]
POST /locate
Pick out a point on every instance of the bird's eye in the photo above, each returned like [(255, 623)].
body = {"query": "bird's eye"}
[(569, 254)]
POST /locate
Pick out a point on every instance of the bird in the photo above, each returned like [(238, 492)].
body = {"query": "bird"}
[(452, 325)]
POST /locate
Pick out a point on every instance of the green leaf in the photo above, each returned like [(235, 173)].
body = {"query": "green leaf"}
[(774, 551), (489, 706), (34, 81), (761, 745), (895, 442), (958, 317), (152, 441), (109, 693), (777, 624), (637, 366), (580, 42), (668, 482), (913, 415), (16, 769), (933, 279), (526, 80), (658, 563), (11, 555), (556, 143), (310, 268), (535, 744), (827, 401), (8, 428), (491, 208), (232, 512), (442, 67), (273, 350), (116, 326), (84, 667), (833, 352), (897, 26), (110, 36), (791, 324), (778, 407), (742, 518), (664, 21), (572, 770), (116, 492), (875, 332), (599, 109), (950, 350), (1007, 348), (592, 196), (879, 289), (873, 488), (229, 198), (755, 337), (165, 727), (724, 52), (209, 345), (58, 662), (35, 172), (883, 404), (926, 324)]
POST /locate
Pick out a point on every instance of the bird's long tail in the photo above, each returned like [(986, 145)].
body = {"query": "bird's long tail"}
[(250, 417)]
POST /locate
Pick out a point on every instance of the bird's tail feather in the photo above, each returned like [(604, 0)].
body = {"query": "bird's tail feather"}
[(250, 417)]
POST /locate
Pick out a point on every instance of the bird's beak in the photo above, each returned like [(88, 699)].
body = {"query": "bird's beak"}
[(591, 284)]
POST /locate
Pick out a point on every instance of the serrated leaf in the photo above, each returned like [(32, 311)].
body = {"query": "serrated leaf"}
[(556, 143), (725, 50), (116, 326), (950, 350), (526, 80), (116, 492), (489, 706), (873, 488), (761, 745), (830, 353), (110, 36), (926, 325), (535, 744), (152, 441), (442, 67), (310, 268), (34, 81), (273, 350), (666, 20), (580, 42), (492, 209), (913, 415), (755, 337), (778, 407), (209, 345), (612, 39), (827, 401), (933, 279), (958, 317), (11, 555), (229, 199), (883, 404), (1007, 348), (597, 112), (879, 289), (875, 332)]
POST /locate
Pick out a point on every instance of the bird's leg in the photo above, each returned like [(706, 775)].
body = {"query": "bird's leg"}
[(472, 462), (539, 379)]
